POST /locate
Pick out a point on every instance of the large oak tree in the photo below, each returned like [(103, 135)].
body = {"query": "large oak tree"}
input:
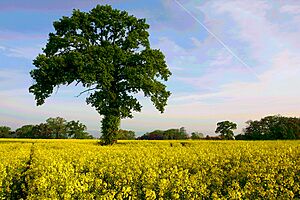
[(108, 52)]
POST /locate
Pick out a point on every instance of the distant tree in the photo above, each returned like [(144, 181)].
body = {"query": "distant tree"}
[(25, 131), (125, 135), (254, 130), (5, 131), (213, 137), (273, 128), (240, 137), (76, 130), (58, 127), (290, 127), (43, 131), (108, 52), (225, 128), (170, 134), (182, 130), (154, 135), (83, 135), (197, 136), (53, 128)]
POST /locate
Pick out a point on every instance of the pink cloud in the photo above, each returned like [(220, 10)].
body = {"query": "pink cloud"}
[(11, 35)]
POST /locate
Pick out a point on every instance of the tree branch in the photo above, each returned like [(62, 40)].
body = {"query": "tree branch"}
[(77, 83), (86, 91)]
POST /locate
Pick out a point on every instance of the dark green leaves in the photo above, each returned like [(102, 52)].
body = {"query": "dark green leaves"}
[(226, 129), (108, 52)]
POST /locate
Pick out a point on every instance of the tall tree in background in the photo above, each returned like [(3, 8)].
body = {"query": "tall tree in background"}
[(76, 130), (125, 135), (273, 128), (108, 52), (197, 136), (58, 127), (5, 131), (225, 128), (25, 131)]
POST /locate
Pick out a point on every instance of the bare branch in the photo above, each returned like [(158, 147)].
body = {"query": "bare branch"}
[(86, 91), (77, 83)]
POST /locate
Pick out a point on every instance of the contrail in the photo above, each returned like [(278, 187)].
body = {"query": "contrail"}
[(218, 39)]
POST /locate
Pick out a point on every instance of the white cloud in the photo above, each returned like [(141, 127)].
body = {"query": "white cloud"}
[(290, 9), (21, 52), (272, 47), (252, 25), (24, 52), (221, 59), (202, 66), (276, 92), (257, 31)]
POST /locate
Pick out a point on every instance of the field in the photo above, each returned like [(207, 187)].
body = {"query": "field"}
[(81, 169)]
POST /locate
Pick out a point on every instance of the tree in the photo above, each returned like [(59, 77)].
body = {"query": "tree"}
[(197, 136), (273, 128), (5, 131), (170, 134), (54, 128), (226, 129), (58, 127), (125, 135), (77, 130), (182, 130), (43, 130), (25, 131), (108, 52), (240, 137)]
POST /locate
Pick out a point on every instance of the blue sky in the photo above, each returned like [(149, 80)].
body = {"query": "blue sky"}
[(254, 75)]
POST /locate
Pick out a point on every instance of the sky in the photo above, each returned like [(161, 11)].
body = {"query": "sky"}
[(230, 60)]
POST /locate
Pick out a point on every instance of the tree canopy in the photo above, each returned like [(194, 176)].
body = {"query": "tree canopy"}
[(170, 134), (273, 128), (108, 52), (5, 131), (197, 135), (225, 128), (125, 135), (57, 128)]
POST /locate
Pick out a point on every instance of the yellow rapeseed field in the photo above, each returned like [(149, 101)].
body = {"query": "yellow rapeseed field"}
[(81, 169)]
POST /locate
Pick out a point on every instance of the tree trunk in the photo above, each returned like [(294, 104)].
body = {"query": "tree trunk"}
[(110, 127)]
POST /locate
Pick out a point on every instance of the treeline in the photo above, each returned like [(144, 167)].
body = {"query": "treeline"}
[(53, 128), (268, 128), (170, 134), (125, 135), (271, 128)]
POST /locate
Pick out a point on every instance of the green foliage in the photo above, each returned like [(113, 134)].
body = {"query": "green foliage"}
[(226, 129), (170, 134), (57, 128), (108, 52), (240, 137), (77, 130), (44, 131), (5, 131), (197, 136), (125, 135), (273, 128), (25, 131)]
